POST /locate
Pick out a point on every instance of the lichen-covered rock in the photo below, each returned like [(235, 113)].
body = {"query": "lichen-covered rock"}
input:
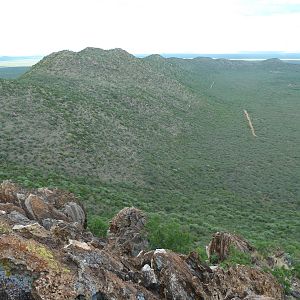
[(16, 286), (223, 241)]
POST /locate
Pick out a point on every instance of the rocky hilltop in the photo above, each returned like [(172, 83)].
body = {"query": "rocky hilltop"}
[(46, 252)]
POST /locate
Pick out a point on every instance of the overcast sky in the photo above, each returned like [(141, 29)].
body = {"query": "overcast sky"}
[(39, 27)]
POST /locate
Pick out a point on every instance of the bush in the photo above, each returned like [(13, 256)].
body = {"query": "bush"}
[(236, 257), (284, 277), (98, 226), (168, 235), (296, 270), (202, 253), (214, 258)]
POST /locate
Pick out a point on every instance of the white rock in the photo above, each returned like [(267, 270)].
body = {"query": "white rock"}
[(146, 268), (2, 212), (20, 227), (34, 228), (149, 275), (160, 251), (20, 196), (78, 244)]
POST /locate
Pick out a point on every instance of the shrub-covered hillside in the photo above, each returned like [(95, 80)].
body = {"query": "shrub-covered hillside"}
[(166, 135)]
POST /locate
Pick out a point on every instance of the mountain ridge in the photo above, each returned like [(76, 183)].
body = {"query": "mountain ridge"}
[(164, 134)]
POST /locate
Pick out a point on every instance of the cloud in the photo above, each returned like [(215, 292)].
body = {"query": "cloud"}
[(149, 26), (269, 7)]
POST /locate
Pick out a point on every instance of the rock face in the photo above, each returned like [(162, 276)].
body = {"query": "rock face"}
[(126, 232), (46, 254)]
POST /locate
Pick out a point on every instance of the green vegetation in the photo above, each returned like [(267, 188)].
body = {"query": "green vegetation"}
[(4, 228), (12, 72), (98, 226), (165, 135), (168, 235), (236, 257), (284, 277)]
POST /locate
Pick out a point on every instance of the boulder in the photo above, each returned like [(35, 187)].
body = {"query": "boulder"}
[(16, 218), (36, 208), (74, 212)]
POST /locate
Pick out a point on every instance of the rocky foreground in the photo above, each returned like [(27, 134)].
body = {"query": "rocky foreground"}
[(47, 253)]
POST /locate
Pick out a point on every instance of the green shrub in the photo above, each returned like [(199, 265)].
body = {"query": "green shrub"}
[(236, 257), (284, 277), (98, 226), (169, 235), (296, 269), (202, 253), (214, 258)]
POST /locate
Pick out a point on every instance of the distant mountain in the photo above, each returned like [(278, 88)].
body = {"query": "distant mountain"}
[(167, 135), (9, 58), (242, 55)]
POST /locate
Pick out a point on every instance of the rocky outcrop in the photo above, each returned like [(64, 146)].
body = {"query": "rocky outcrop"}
[(175, 276), (41, 204), (222, 242), (126, 232), (47, 254)]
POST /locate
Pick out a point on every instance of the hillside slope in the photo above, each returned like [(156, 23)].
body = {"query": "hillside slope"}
[(166, 135)]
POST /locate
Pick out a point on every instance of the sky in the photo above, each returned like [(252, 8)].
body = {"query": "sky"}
[(39, 27)]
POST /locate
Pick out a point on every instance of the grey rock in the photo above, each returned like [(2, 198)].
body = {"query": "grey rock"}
[(74, 212), (149, 277), (18, 218)]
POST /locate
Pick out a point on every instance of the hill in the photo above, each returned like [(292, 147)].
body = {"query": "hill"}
[(166, 135)]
